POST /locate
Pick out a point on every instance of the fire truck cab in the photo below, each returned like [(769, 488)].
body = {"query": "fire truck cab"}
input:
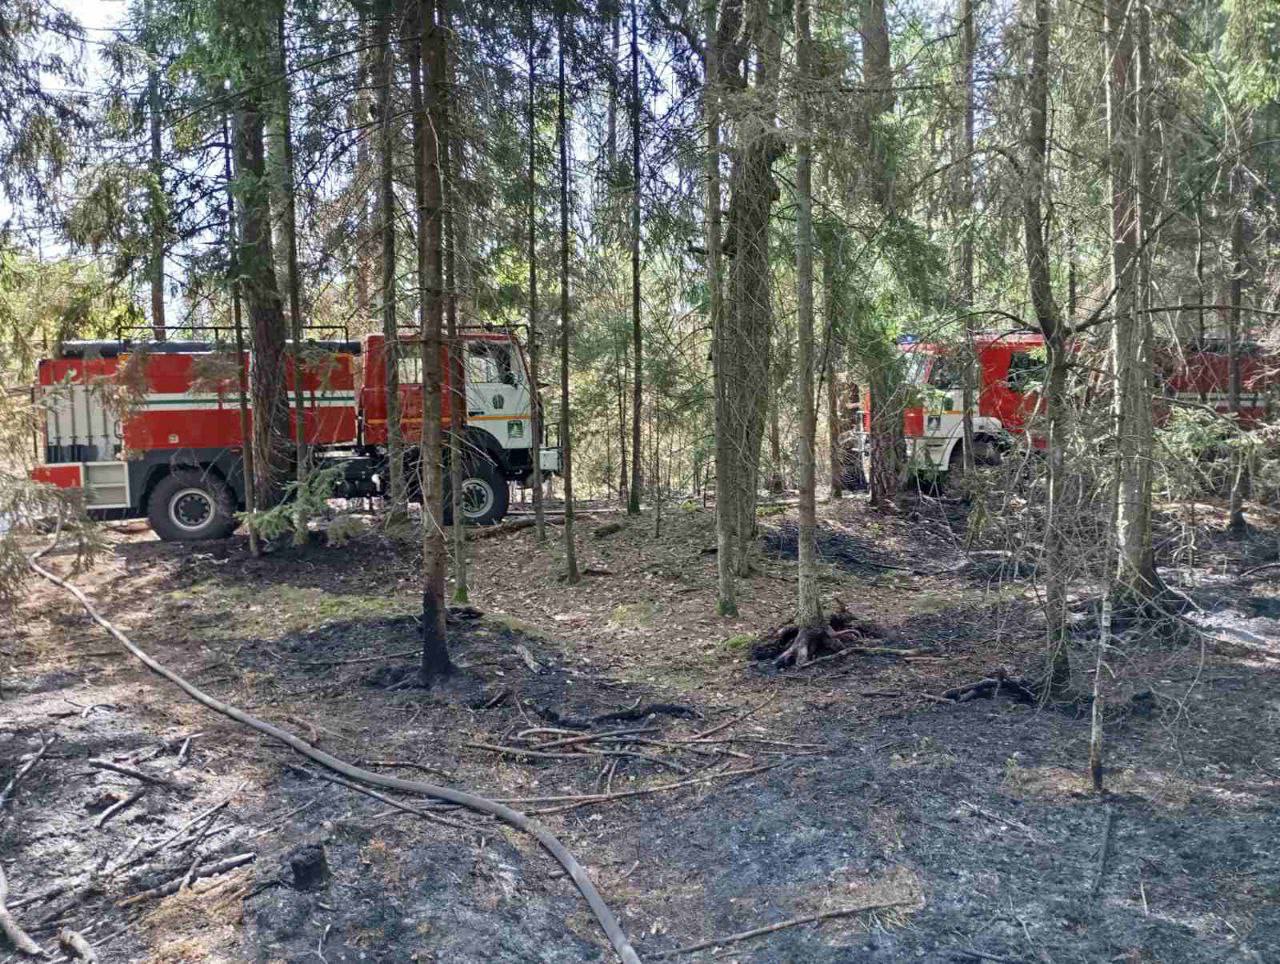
[(154, 429)]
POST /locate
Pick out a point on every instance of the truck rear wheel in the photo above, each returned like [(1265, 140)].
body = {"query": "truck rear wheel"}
[(484, 494), (189, 505)]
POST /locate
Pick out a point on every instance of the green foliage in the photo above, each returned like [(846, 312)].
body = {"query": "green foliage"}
[(300, 502)]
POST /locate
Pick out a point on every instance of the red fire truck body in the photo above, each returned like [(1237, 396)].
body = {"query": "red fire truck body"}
[(1011, 367), (154, 429)]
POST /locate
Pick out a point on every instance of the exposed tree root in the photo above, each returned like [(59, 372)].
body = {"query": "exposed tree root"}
[(792, 645), (577, 873)]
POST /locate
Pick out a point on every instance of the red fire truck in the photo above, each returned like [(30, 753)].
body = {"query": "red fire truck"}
[(154, 428), (1011, 367)]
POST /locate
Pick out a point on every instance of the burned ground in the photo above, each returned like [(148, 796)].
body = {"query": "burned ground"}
[(965, 832)]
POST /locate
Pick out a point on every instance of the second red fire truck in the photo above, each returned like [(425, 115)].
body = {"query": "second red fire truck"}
[(1010, 367)]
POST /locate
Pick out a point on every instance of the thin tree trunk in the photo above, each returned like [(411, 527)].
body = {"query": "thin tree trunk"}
[(384, 68), (455, 237), (290, 231), (884, 379), (535, 391), (778, 475), (1236, 523), (726, 601), (237, 321), (809, 605), (749, 306), (271, 454), (964, 209), (1039, 284), (427, 91), (562, 136), (158, 216), (835, 463), (1130, 354), (358, 116), (637, 372)]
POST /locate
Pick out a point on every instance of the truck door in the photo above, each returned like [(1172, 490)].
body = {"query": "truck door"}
[(497, 393)]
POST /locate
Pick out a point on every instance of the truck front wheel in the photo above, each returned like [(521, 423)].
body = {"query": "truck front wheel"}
[(190, 505), (485, 494)]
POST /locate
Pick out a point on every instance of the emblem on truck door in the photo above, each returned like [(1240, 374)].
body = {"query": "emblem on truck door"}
[(497, 402)]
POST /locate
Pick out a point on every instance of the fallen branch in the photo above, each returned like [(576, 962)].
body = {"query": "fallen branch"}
[(1262, 568), (16, 935), (23, 771), (502, 529), (399, 654), (780, 925), (586, 800), (504, 813), (390, 801), (131, 772), (77, 947), (729, 722), (116, 807), (209, 870)]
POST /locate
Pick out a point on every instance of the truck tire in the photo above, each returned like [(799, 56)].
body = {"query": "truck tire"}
[(190, 505), (484, 494)]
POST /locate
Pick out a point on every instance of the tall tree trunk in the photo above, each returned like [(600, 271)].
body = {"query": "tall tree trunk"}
[(884, 379), (1039, 284), (749, 308), (289, 230), (429, 123), (637, 372), (778, 475), (158, 216), (726, 496), (384, 69), (361, 113), (455, 238), (1130, 352), (271, 447), (1239, 475), (237, 322), (964, 210), (566, 443), (535, 391), (809, 604), (831, 368)]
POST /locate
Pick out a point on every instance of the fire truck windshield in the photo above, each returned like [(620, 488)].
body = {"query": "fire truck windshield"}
[(489, 363)]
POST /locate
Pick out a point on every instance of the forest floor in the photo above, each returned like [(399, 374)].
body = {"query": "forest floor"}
[(946, 831)]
